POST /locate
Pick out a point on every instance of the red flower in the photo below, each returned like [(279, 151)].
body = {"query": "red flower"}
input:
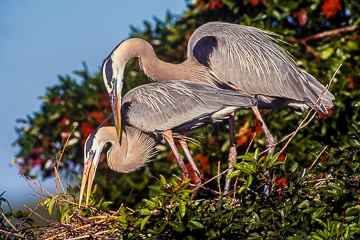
[(57, 100), (64, 122), (323, 115), (97, 115), (243, 136), (351, 82), (301, 16), (203, 161), (85, 129), (37, 150), (210, 5), (36, 162), (331, 7), (201, 5), (281, 158), (324, 158), (104, 101), (282, 182), (254, 2), (215, 4)]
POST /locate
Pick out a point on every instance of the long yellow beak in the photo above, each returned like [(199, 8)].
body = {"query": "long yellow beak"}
[(118, 129), (116, 108), (88, 176)]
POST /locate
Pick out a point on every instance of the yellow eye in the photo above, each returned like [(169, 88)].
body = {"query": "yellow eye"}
[(113, 80), (91, 152)]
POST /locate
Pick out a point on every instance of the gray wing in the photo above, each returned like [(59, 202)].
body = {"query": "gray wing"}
[(168, 105), (250, 59)]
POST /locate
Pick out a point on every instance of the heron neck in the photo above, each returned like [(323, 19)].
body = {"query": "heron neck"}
[(133, 152), (160, 71)]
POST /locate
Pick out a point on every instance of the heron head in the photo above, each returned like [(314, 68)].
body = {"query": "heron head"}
[(113, 79), (92, 151)]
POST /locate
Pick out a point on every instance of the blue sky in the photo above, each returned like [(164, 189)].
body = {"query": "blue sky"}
[(40, 40)]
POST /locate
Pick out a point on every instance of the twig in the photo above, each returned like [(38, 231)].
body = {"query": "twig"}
[(11, 233), (7, 220), (313, 163), (318, 180), (28, 177), (304, 41), (323, 34), (57, 163), (225, 171), (47, 220), (251, 141), (219, 177), (236, 180), (200, 186)]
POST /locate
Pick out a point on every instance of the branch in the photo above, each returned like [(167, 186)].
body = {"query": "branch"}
[(304, 41)]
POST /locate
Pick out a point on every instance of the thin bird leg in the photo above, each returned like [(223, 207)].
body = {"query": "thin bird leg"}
[(197, 175), (169, 138), (270, 141), (232, 154)]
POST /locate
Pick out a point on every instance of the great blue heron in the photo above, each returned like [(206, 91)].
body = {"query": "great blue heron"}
[(227, 55), (159, 108)]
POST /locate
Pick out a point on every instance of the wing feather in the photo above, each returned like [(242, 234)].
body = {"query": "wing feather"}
[(250, 59), (167, 105)]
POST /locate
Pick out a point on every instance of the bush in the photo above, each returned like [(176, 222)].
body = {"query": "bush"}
[(311, 193)]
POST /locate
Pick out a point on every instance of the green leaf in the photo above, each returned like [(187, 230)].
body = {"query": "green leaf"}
[(194, 225), (145, 212), (318, 213), (352, 213), (334, 186), (327, 53), (178, 227), (182, 208), (321, 223), (355, 143), (162, 180), (233, 174), (144, 221), (304, 204)]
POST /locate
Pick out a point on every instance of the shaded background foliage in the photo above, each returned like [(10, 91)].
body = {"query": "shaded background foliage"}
[(305, 24)]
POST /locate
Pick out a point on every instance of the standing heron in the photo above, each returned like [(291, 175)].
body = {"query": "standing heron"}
[(226, 55), (159, 108)]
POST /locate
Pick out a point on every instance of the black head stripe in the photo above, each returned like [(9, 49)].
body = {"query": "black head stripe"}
[(108, 72), (89, 141)]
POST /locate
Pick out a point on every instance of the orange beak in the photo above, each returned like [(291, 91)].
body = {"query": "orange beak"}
[(116, 108), (88, 176)]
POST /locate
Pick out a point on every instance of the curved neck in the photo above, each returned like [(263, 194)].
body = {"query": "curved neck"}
[(136, 147), (158, 70)]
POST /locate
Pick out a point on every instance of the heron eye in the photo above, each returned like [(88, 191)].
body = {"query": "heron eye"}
[(113, 80), (91, 152)]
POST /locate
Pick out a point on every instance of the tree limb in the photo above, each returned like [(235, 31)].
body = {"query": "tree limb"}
[(304, 41)]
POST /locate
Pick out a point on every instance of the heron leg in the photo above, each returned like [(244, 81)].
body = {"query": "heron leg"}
[(169, 138), (270, 141), (232, 153), (197, 175)]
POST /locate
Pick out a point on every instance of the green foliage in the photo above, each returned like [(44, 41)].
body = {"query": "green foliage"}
[(298, 194)]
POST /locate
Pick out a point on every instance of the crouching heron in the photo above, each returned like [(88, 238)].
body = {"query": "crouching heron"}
[(158, 109)]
